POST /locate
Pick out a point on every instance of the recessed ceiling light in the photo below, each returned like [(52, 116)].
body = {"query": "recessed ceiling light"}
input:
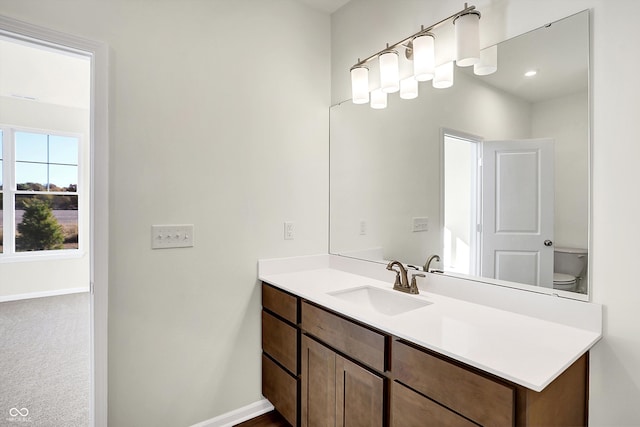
[(530, 73)]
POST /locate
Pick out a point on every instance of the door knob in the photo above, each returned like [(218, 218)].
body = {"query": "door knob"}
[(548, 243)]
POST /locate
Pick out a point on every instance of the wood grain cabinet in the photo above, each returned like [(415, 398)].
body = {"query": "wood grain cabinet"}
[(336, 391), (320, 368), (280, 358)]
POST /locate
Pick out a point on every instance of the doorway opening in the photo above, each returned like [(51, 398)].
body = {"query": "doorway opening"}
[(45, 231), (462, 198)]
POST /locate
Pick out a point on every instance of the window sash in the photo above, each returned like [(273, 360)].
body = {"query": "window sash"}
[(10, 192)]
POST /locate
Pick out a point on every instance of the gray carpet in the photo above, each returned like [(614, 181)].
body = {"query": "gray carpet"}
[(45, 361)]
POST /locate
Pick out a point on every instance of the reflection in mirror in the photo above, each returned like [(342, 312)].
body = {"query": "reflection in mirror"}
[(492, 174)]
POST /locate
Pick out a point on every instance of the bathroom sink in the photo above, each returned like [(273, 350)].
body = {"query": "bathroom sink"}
[(388, 302)]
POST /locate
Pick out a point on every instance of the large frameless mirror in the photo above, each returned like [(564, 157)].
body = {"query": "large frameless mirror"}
[(491, 174)]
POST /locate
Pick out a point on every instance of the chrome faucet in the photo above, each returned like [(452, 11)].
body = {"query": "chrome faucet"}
[(427, 265), (402, 282)]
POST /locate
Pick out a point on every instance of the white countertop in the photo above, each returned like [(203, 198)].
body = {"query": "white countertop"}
[(529, 350)]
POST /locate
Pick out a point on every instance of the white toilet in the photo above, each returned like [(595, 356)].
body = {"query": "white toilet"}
[(569, 268)]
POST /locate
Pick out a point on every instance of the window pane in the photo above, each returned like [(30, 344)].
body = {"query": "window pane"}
[(31, 147), (63, 149), (31, 176), (46, 222), (63, 178)]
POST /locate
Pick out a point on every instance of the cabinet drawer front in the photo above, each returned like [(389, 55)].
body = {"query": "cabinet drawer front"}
[(280, 302), (280, 341), (478, 398), (410, 409), (356, 341), (281, 389)]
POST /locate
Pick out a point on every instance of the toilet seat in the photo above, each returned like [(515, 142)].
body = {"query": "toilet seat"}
[(563, 281)]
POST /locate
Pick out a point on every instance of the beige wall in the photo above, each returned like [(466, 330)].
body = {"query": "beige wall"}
[(564, 119), (219, 114), (615, 373)]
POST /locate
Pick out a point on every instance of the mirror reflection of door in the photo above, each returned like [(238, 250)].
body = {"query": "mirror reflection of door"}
[(517, 211), (498, 208)]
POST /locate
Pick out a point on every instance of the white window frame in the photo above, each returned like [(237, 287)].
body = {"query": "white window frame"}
[(9, 192)]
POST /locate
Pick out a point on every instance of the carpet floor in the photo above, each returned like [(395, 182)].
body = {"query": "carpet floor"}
[(45, 361)]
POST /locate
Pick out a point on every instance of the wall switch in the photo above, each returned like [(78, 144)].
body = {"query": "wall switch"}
[(171, 236), (420, 224), (363, 227), (288, 230)]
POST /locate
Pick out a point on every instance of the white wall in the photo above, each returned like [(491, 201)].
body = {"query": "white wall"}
[(386, 164), (20, 278), (615, 361), (565, 119), (219, 113)]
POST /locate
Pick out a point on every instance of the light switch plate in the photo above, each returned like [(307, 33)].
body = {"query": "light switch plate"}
[(420, 224), (172, 236)]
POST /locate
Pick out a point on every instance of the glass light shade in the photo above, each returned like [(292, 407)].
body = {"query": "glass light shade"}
[(444, 76), (488, 61), (424, 58), (378, 99), (360, 85), (408, 88), (389, 72), (467, 31)]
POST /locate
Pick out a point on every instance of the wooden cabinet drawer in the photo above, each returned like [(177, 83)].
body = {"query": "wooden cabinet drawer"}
[(481, 399), (280, 303), (355, 340), (281, 389), (410, 409), (280, 341)]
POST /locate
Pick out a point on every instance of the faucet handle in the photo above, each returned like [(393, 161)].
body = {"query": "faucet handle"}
[(413, 289)]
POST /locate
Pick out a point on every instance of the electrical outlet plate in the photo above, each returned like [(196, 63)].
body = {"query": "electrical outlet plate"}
[(289, 230), (171, 236)]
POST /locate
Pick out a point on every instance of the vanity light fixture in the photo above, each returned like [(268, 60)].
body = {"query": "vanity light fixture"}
[(530, 73), (444, 76), (378, 99), (360, 84), (424, 57), (467, 38), (389, 71), (420, 48), (488, 61), (409, 88)]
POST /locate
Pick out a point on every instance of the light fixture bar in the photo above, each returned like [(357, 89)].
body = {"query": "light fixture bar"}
[(402, 42)]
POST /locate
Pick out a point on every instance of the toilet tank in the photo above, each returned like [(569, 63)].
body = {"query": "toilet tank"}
[(571, 261)]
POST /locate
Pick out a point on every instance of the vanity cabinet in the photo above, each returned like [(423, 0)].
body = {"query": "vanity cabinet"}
[(483, 400), (454, 394), (280, 343), (320, 368), (337, 391)]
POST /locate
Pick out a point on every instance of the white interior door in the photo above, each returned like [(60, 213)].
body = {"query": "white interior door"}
[(517, 211)]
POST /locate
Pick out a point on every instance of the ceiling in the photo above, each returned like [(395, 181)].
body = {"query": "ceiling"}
[(559, 52), (328, 6)]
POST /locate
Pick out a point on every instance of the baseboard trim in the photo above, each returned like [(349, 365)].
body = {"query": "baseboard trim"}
[(239, 415), (30, 295)]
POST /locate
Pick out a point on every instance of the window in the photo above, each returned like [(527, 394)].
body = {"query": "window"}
[(39, 198)]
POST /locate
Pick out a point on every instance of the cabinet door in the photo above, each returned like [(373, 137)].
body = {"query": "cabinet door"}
[(359, 396), (410, 409), (318, 396)]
